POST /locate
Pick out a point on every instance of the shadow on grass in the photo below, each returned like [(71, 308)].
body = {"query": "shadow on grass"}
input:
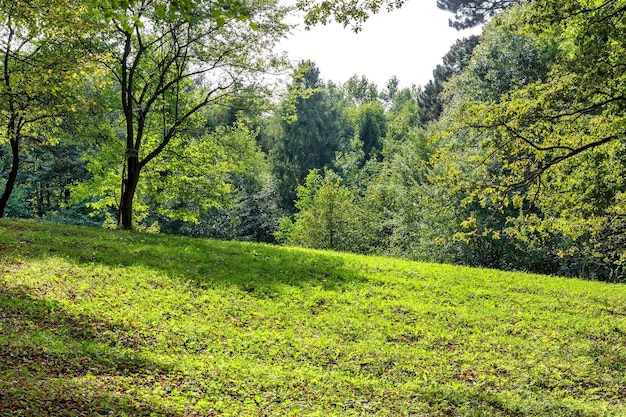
[(257, 269), (462, 399), (55, 364)]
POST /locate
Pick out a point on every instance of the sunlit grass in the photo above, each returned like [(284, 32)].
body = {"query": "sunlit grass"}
[(96, 322)]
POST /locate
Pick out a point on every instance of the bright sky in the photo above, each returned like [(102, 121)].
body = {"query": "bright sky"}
[(407, 43)]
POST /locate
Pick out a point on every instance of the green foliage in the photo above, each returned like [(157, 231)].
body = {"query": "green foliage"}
[(195, 175), (344, 12), (538, 115), (360, 90), (508, 57), (310, 141), (470, 13), (352, 167), (327, 217), (42, 186), (172, 60), (40, 69), (128, 13), (186, 181), (114, 323), (512, 157), (371, 127), (431, 98), (406, 213), (249, 210)]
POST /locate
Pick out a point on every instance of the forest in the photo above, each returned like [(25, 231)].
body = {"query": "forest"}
[(180, 117)]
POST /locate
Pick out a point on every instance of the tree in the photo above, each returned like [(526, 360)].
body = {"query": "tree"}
[(311, 140), (327, 217), (470, 13), (397, 203), (37, 74), (371, 127), (360, 90), (454, 61), (548, 140), (241, 183), (366, 113), (168, 65)]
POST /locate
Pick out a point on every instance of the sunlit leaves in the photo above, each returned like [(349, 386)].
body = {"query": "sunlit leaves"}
[(128, 13), (351, 13), (327, 216), (549, 136), (197, 173), (40, 70), (172, 59)]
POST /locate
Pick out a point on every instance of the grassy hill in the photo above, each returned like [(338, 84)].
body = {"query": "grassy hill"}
[(102, 323)]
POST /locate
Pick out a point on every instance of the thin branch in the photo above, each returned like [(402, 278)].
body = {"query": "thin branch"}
[(209, 98)]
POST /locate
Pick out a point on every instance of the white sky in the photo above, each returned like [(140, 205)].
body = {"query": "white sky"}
[(407, 43)]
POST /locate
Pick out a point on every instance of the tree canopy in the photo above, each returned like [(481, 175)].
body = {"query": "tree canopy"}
[(541, 108), (161, 115), (169, 66)]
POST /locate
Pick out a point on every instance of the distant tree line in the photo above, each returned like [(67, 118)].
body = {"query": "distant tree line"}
[(156, 115)]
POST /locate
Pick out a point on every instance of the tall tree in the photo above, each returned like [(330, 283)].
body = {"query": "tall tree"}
[(551, 145), (37, 73), (311, 140), (169, 65), (470, 13), (431, 98)]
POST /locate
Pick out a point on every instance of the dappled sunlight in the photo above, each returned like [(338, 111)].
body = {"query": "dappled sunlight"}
[(157, 325), (57, 362)]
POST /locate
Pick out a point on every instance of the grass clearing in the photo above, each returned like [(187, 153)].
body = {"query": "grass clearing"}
[(100, 323)]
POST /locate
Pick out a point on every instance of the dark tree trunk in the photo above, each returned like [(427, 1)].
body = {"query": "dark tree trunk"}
[(15, 166), (129, 186), (130, 174)]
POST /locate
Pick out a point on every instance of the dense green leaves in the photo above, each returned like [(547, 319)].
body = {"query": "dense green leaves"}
[(311, 140), (512, 157), (168, 69), (431, 98), (40, 70), (327, 216), (542, 113)]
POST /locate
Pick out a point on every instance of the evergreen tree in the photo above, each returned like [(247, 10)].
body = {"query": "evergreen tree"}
[(430, 99), (470, 13), (311, 140)]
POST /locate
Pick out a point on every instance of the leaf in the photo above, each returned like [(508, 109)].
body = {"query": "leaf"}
[(160, 11)]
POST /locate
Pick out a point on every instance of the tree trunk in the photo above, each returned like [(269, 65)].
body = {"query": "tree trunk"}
[(129, 186), (15, 166)]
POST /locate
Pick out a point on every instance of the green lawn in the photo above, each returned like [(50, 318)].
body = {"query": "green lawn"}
[(103, 323)]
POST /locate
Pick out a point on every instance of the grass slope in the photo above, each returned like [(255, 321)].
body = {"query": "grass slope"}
[(101, 323)]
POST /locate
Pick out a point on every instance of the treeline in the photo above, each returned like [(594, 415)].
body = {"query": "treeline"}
[(511, 157)]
